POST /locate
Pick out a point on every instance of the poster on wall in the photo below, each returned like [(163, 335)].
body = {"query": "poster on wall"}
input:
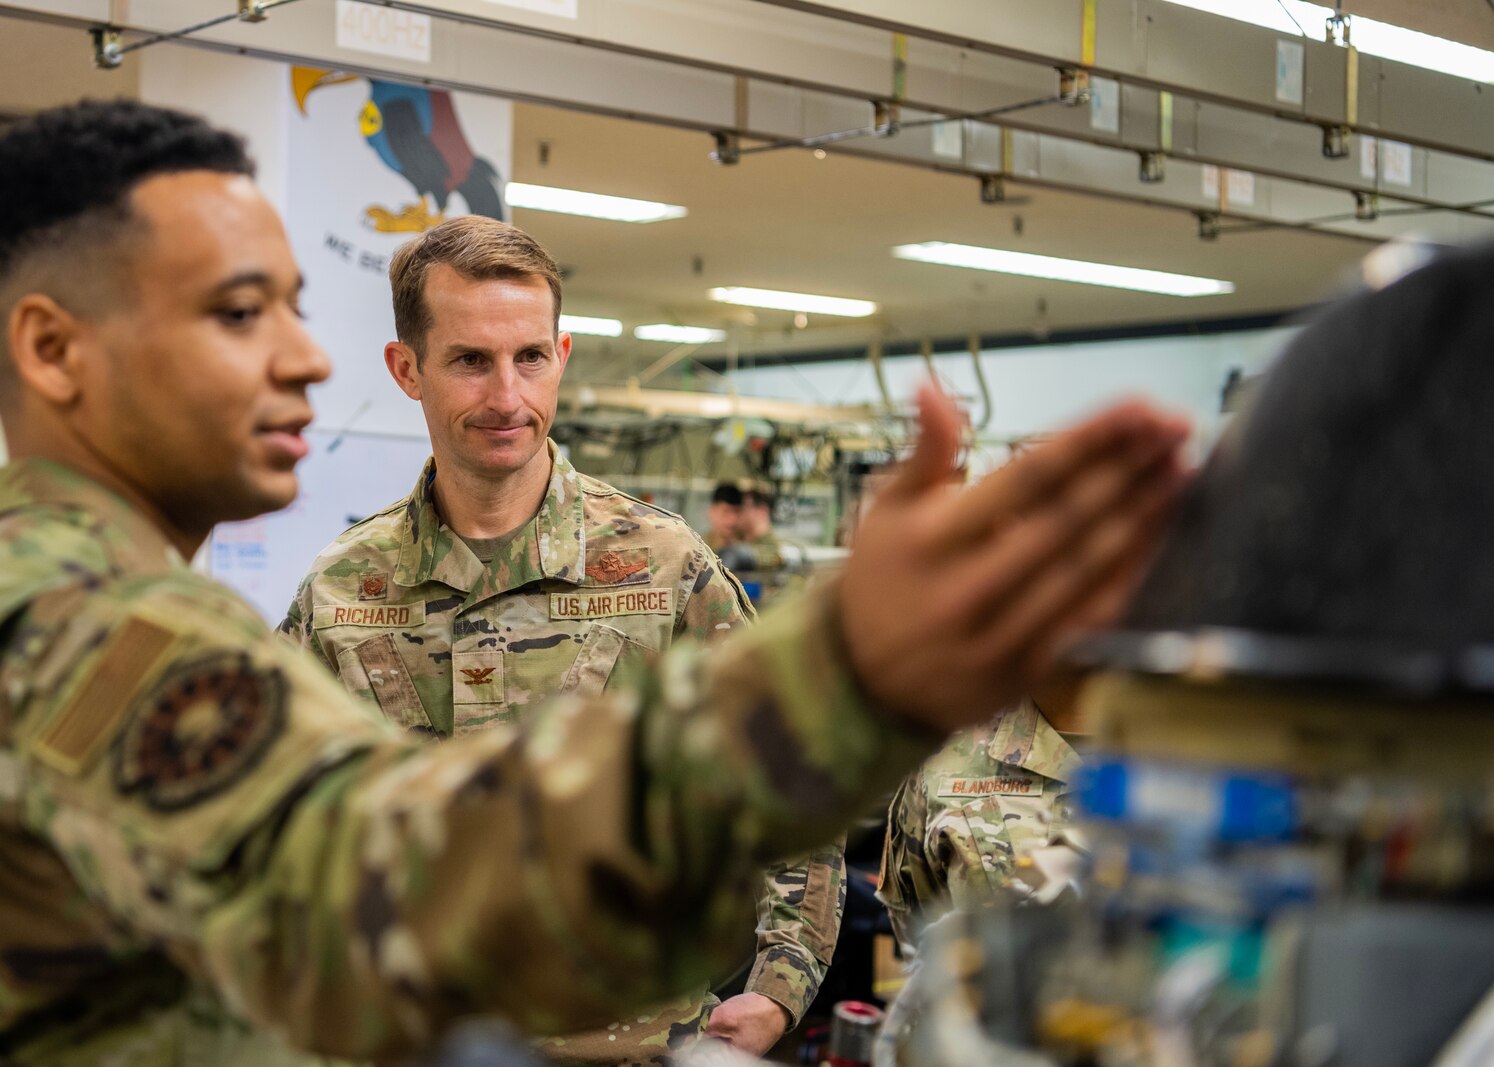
[(369, 165)]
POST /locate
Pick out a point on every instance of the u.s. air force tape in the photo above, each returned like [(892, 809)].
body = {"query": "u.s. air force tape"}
[(589, 603)]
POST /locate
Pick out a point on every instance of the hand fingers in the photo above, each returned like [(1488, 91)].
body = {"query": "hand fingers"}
[(1128, 434), (1110, 600), (1051, 536), (1095, 580), (938, 444)]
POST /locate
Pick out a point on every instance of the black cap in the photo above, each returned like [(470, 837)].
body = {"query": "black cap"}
[(727, 493), (1352, 504)]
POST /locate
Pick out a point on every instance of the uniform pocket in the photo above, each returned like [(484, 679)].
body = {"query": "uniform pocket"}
[(603, 650), (375, 671)]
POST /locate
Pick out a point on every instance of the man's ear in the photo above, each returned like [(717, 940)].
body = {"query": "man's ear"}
[(403, 368), (563, 349), (46, 348)]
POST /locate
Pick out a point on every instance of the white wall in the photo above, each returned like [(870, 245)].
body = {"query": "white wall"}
[(1046, 387), (241, 94)]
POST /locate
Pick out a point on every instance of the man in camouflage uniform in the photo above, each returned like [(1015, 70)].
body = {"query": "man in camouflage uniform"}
[(724, 517), (757, 527), (976, 822), (450, 633), (211, 854)]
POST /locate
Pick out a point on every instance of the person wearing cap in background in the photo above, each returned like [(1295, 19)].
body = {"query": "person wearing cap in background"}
[(507, 578), (724, 517), (756, 526)]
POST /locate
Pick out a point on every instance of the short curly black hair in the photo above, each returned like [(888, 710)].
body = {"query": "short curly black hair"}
[(67, 163)]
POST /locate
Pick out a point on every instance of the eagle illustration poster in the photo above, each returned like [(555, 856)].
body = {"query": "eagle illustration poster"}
[(371, 164)]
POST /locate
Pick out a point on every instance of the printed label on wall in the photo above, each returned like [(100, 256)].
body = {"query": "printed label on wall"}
[(1105, 104), (1289, 59), (383, 31)]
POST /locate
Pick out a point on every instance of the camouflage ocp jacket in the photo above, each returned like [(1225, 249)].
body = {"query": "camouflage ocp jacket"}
[(599, 582), (210, 854), (960, 829)]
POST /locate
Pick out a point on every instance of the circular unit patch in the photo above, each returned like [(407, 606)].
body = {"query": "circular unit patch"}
[(199, 729)]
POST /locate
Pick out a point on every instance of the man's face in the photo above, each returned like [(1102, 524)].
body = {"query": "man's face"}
[(491, 372), (724, 519), (196, 384), (757, 519)]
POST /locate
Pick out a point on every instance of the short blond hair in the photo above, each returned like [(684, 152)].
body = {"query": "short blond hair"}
[(476, 247)]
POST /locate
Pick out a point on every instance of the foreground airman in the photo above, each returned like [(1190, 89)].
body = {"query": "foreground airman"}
[(211, 854)]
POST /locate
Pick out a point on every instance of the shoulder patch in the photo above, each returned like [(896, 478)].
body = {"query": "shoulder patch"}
[(75, 737), (198, 729)]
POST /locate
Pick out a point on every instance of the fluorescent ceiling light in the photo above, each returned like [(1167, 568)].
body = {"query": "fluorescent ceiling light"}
[(594, 327), (680, 335), (1370, 37), (806, 302), (592, 205), (1063, 270)]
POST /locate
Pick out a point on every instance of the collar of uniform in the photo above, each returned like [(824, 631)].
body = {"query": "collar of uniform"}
[(552, 544), (130, 540), (1024, 738)]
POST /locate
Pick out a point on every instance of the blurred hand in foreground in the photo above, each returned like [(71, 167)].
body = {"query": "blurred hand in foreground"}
[(956, 602)]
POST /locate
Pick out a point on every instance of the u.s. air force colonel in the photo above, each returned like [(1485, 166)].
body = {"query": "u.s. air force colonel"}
[(506, 578)]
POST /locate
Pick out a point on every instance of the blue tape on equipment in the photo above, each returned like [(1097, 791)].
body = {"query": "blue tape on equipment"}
[(1230, 807)]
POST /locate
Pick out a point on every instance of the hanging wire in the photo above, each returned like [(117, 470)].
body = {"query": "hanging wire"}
[(175, 35), (1298, 24)]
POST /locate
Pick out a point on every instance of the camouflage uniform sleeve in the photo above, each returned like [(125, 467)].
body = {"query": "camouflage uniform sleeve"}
[(800, 909), (798, 923), (296, 626), (908, 881), (715, 602), (216, 796)]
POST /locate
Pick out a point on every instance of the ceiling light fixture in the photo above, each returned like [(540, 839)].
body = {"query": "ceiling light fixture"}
[(1370, 37), (592, 327), (806, 302), (1062, 270), (590, 205), (680, 335)]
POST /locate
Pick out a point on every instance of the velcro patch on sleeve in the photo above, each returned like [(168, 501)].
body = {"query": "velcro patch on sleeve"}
[(385, 616), (590, 603), (78, 733), (1006, 785), (198, 729)]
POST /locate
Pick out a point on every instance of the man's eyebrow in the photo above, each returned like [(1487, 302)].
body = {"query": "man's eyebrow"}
[(261, 279)]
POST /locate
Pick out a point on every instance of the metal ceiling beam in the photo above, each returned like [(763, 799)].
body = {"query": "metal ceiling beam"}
[(814, 51), (850, 53), (1164, 46), (545, 66)]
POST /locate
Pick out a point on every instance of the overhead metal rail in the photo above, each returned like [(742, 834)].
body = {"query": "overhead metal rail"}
[(719, 67), (1162, 46)]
